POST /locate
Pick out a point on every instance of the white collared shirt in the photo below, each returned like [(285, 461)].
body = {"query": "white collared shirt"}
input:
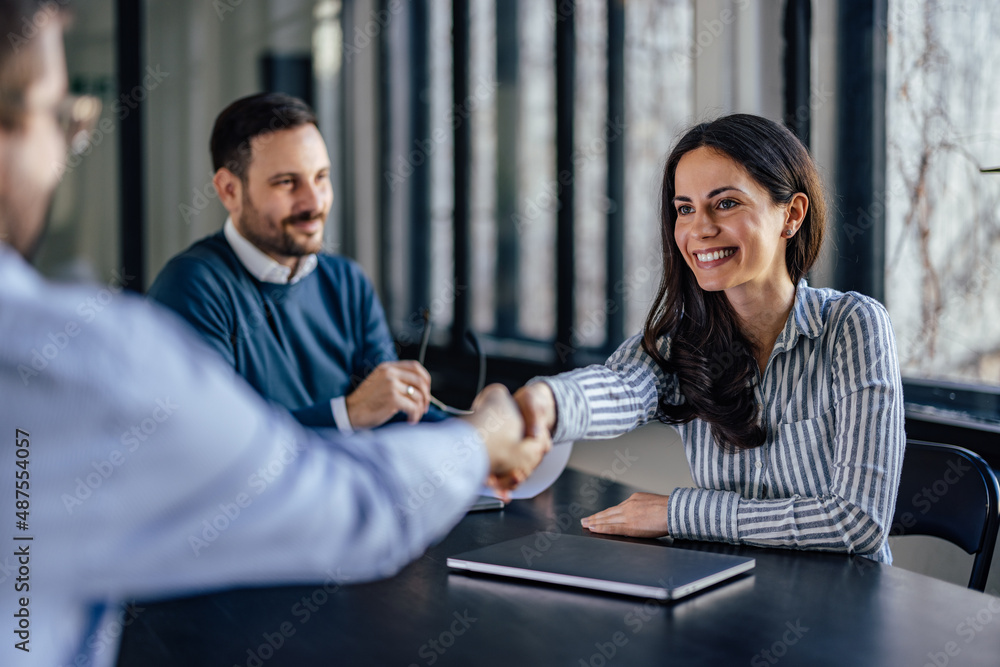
[(262, 266)]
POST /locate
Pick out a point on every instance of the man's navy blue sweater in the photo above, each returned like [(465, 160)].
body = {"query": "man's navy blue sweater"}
[(299, 345)]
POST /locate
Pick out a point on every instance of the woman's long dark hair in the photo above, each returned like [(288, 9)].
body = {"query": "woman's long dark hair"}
[(708, 351)]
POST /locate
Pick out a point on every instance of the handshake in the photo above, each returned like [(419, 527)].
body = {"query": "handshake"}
[(517, 431)]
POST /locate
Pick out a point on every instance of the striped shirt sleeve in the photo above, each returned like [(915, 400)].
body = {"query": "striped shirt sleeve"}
[(599, 402)]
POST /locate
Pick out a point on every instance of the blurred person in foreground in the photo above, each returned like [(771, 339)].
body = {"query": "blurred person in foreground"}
[(135, 465)]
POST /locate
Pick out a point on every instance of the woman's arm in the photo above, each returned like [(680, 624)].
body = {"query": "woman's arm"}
[(599, 401)]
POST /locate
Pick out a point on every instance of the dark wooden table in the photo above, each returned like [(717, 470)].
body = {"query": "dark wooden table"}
[(798, 608)]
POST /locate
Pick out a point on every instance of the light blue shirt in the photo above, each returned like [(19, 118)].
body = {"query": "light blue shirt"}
[(152, 471), (831, 401)]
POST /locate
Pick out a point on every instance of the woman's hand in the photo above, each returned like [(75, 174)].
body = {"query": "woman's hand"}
[(513, 454), (538, 407), (642, 515)]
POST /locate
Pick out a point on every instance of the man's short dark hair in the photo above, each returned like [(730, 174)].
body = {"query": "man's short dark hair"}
[(250, 117), (20, 60)]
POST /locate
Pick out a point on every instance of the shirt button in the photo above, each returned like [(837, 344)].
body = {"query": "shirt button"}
[(759, 465)]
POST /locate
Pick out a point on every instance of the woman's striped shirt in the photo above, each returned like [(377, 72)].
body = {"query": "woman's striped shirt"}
[(832, 403)]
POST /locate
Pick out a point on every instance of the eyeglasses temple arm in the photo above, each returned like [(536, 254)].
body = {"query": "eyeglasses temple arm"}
[(425, 336), (473, 339)]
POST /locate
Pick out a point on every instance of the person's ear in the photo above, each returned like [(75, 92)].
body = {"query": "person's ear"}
[(795, 213), (229, 187)]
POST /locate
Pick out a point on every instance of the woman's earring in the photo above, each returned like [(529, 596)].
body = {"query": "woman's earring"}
[(788, 232)]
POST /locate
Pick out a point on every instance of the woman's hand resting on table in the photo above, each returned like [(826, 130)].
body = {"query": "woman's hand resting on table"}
[(642, 515)]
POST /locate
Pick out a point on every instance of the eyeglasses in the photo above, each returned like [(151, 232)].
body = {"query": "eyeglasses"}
[(473, 340), (77, 116)]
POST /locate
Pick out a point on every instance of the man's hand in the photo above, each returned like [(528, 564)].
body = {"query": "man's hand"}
[(642, 515), (538, 407), (512, 455), (394, 386)]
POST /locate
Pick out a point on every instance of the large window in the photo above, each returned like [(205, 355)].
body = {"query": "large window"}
[(83, 240), (942, 230), (549, 198)]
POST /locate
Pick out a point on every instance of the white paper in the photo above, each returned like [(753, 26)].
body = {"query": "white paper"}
[(545, 474)]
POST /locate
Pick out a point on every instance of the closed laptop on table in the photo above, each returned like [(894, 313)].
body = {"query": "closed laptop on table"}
[(643, 570)]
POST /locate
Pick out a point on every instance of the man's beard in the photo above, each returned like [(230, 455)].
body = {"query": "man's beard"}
[(24, 218), (286, 244), (34, 244)]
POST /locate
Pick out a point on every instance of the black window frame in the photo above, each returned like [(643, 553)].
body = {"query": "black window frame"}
[(514, 359)]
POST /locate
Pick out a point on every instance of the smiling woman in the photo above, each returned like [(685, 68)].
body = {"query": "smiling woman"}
[(787, 398), (745, 188)]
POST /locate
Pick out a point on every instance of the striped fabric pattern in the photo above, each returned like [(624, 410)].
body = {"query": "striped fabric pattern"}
[(827, 475)]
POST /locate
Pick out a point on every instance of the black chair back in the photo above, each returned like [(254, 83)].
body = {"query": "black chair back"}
[(951, 493)]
